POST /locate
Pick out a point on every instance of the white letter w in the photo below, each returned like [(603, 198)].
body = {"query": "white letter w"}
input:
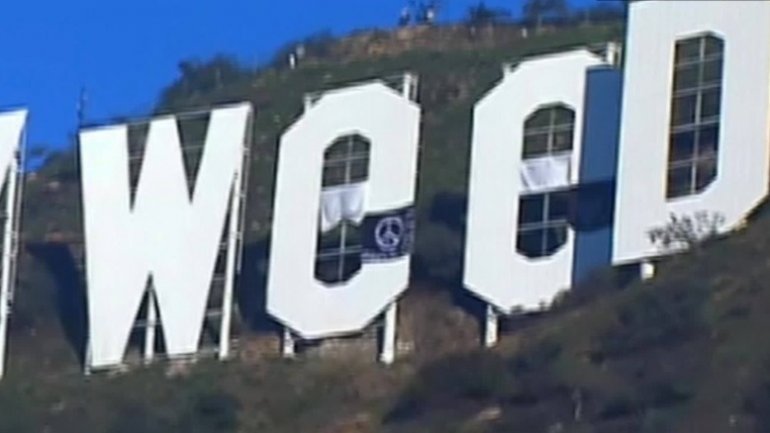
[(166, 234)]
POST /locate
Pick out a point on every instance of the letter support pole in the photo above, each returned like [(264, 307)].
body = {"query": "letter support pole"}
[(388, 349), (491, 327)]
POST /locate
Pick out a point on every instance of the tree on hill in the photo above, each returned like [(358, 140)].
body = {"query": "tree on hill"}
[(537, 11), (686, 232), (482, 15), (610, 10), (196, 77)]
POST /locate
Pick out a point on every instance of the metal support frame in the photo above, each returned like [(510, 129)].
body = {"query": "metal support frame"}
[(491, 327), (288, 348), (234, 247), (612, 54), (388, 344), (150, 328), (646, 270)]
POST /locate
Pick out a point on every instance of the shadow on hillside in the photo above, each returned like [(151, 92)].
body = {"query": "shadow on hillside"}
[(71, 301), (251, 290), (437, 260), (70, 291), (450, 209), (439, 265)]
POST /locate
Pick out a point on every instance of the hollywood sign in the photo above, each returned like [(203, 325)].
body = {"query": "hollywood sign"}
[(573, 160)]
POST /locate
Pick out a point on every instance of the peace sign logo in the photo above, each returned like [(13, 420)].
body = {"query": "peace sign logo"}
[(389, 232)]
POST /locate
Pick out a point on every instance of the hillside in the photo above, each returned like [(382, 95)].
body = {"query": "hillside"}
[(681, 353)]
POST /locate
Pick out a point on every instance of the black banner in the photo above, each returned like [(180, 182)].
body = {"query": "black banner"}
[(387, 235)]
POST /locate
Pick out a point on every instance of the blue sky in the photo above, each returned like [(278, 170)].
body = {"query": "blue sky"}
[(125, 52)]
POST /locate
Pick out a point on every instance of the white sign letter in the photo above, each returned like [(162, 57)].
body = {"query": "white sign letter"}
[(352, 156), (165, 234), (525, 158), (695, 115)]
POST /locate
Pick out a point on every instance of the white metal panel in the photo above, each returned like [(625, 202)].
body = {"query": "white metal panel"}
[(164, 234), (742, 180), (391, 122), (494, 270), (12, 125)]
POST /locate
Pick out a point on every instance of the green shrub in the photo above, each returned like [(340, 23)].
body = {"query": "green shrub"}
[(210, 412), (655, 316), (476, 377)]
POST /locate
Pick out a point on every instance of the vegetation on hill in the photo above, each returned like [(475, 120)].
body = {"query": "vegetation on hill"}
[(682, 353)]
